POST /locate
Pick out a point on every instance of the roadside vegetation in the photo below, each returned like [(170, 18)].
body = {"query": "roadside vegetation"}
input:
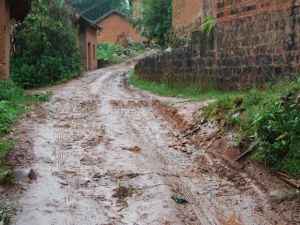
[(112, 53), (47, 49), (192, 92), (156, 22), (13, 103), (270, 117)]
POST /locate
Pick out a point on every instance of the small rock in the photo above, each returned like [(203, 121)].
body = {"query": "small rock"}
[(189, 151), (133, 149), (62, 182), (277, 195), (168, 49), (183, 149), (24, 175), (97, 176), (47, 160), (237, 115), (282, 194), (87, 160), (32, 175)]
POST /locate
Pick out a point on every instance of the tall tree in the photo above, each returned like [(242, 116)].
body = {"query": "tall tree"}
[(156, 20)]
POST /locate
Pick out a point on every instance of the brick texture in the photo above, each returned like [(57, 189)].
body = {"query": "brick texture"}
[(186, 15), (88, 46), (115, 26), (255, 42)]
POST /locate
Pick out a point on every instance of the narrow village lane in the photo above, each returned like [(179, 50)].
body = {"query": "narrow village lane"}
[(103, 157)]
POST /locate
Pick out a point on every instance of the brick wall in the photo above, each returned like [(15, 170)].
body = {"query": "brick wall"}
[(114, 26), (88, 46), (4, 39), (186, 15), (254, 42)]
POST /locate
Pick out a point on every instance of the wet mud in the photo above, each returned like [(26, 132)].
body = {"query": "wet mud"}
[(104, 154)]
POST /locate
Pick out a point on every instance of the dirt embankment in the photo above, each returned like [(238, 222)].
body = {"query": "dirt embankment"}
[(219, 144)]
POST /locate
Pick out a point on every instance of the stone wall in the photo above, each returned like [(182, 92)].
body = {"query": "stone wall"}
[(254, 42)]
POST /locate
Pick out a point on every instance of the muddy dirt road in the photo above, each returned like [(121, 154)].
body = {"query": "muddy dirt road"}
[(102, 157)]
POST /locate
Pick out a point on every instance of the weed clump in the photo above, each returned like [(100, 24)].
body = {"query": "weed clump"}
[(13, 103), (271, 116)]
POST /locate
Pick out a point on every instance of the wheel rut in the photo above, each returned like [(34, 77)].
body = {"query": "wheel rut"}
[(109, 161)]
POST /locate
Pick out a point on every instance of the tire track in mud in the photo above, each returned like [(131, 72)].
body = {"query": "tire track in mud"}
[(91, 124), (204, 210)]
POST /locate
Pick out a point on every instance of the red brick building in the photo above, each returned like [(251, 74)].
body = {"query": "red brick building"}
[(16, 9), (88, 42), (116, 29)]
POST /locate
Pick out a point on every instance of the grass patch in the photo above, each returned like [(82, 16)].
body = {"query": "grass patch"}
[(13, 103), (113, 53), (6, 212), (192, 92), (272, 116)]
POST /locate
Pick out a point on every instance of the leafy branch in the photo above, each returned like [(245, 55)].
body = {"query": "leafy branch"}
[(208, 25)]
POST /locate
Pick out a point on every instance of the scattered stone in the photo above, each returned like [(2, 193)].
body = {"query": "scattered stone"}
[(87, 160), (63, 182), (276, 195), (69, 171), (183, 149), (128, 174), (168, 49), (123, 192), (189, 151), (133, 149), (237, 115), (84, 182), (97, 175), (32, 175), (47, 160), (24, 175), (282, 194)]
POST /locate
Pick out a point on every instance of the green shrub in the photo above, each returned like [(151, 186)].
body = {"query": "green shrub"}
[(208, 25), (278, 128), (156, 22), (13, 103), (47, 50), (108, 52), (273, 117)]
